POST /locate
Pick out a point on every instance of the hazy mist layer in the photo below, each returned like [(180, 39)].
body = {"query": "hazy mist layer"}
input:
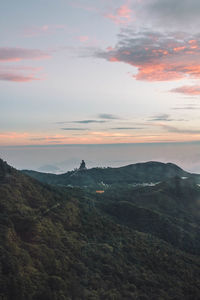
[(61, 158)]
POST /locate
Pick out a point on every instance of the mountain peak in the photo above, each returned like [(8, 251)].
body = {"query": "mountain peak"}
[(5, 169)]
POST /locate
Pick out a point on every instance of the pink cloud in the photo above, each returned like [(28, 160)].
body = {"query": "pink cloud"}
[(191, 90), (124, 11), (19, 74), (157, 56), (18, 54), (35, 31), (7, 138), (170, 134), (17, 77), (122, 15), (109, 48), (83, 38)]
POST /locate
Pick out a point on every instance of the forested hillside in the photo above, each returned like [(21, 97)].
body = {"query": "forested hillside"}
[(71, 244)]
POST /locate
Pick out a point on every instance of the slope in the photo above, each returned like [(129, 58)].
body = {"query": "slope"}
[(56, 243)]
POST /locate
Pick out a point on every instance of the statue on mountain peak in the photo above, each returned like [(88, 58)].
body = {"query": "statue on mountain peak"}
[(82, 165)]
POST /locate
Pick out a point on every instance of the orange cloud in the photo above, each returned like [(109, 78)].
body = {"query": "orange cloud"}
[(177, 49), (113, 59), (192, 41), (24, 138), (14, 135), (162, 72)]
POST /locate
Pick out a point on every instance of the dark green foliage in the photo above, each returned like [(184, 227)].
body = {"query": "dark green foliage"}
[(169, 210), (71, 244), (5, 170)]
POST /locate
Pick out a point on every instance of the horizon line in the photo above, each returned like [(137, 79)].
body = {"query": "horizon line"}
[(106, 144)]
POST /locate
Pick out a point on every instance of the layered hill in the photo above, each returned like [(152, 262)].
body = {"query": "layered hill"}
[(67, 243), (135, 173), (169, 210)]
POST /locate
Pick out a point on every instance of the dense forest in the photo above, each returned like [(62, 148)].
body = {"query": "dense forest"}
[(131, 241)]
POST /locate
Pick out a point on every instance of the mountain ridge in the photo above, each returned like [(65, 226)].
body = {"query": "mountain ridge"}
[(134, 173)]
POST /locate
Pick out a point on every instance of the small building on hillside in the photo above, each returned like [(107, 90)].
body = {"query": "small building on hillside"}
[(100, 192)]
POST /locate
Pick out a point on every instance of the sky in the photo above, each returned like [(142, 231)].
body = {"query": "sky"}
[(99, 72)]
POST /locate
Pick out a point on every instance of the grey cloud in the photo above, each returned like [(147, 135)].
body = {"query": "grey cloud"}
[(173, 12), (37, 139), (107, 116), (44, 138), (186, 108), (127, 128), (89, 121), (83, 122), (162, 117), (178, 130), (79, 134), (54, 142), (74, 129), (53, 138)]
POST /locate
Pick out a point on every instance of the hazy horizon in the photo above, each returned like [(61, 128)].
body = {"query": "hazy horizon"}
[(62, 158)]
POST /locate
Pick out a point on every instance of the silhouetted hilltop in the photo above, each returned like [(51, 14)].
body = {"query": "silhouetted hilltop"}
[(5, 169), (135, 173)]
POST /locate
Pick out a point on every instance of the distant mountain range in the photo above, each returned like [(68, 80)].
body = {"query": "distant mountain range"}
[(130, 242), (97, 177)]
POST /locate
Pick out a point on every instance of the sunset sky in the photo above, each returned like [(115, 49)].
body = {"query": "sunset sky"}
[(99, 71)]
